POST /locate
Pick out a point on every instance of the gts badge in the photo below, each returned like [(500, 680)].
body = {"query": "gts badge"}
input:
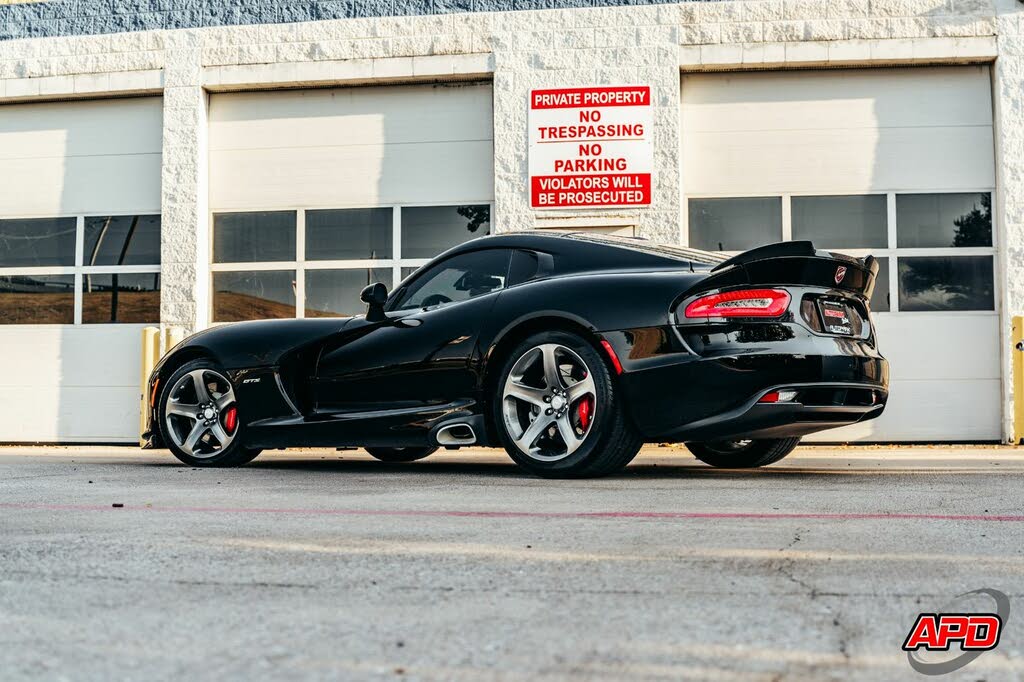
[(256, 380)]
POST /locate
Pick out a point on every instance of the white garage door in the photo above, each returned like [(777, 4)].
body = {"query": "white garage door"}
[(79, 266), (897, 163), (316, 193)]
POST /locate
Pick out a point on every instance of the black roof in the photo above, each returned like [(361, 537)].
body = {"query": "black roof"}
[(571, 242)]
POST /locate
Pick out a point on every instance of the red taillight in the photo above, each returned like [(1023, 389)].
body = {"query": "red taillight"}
[(742, 303), (772, 397)]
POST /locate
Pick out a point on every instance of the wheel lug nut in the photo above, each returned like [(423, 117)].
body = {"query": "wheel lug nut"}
[(548, 411), (547, 399)]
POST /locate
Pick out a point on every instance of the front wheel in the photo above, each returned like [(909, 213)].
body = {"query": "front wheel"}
[(199, 417), (743, 454), (400, 454), (558, 412)]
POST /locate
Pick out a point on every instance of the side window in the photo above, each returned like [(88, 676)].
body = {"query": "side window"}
[(525, 266), (457, 279)]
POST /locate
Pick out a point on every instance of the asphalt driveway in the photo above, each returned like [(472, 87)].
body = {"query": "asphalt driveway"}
[(329, 565)]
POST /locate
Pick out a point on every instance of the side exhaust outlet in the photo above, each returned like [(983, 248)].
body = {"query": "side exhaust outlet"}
[(456, 434)]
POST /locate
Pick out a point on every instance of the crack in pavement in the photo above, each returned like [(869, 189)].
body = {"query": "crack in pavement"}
[(787, 569)]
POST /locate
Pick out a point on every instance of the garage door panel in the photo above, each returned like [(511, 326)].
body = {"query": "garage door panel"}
[(807, 161), (923, 346), (357, 116), (352, 147), (80, 157), (353, 176), (90, 184), (100, 355), (69, 129), (929, 411), (859, 98), (72, 414)]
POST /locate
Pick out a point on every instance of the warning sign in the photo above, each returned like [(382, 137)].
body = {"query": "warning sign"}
[(591, 147)]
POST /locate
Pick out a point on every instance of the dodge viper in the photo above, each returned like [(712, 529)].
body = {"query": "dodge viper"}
[(568, 350)]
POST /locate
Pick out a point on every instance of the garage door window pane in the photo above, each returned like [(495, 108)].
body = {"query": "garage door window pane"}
[(946, 283), (37, 242), (334, 293), (254, 237), (880, 296), (429, 230), (253, 295), (841, 222), (350, 234), (943, 220), (735, 224), (126, 298), (37, 299), (122, 240)]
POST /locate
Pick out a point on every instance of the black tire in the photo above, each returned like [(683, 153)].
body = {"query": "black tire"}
[(743, 454), (612, 440), (401, 454), (231, 456)]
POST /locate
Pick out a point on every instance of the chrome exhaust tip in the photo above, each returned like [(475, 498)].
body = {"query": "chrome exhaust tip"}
[(456, 434)]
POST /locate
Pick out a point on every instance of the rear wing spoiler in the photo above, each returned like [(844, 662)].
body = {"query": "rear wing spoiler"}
[(797, 263), (777, 250)]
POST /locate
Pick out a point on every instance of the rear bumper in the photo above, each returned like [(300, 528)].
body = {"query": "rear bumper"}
[(677, 397), (787, 419)]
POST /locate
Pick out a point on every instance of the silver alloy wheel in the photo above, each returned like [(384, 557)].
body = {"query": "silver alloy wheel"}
[(193, 413), (541, 402)]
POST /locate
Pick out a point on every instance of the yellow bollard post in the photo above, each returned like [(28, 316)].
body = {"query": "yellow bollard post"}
[(172, 337), (1017, 352), (150, 356)]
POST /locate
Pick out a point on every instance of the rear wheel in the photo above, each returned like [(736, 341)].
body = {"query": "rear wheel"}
[(199, 417), (400, 454), (743, 454), (557, 411)]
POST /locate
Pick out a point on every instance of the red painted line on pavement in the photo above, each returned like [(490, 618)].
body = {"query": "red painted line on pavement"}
[(765, 516)]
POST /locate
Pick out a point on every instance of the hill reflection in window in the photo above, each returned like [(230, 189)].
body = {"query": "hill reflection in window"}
[(121, 298), (254, 295), (335, 293), (37, 299)]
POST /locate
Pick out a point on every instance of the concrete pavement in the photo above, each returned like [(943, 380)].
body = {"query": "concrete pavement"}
[(329, 565)]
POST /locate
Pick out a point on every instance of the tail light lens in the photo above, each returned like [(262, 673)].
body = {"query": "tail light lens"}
[(742, 303)]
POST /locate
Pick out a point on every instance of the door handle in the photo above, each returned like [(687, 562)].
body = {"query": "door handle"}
[(409, 322)]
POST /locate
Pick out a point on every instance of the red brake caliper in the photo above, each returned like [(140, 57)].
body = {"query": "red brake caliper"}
[(583, 410), (231, 419)]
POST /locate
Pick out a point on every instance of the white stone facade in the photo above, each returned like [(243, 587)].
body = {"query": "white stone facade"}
[(650, 44)]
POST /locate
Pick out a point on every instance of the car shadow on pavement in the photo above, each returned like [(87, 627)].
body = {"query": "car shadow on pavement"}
[(663, 466), (489, 467)]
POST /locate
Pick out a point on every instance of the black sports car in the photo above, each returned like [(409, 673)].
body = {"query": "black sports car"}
[(568, 350)]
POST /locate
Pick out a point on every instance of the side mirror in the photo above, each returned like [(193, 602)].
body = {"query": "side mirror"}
[(374, 296)]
